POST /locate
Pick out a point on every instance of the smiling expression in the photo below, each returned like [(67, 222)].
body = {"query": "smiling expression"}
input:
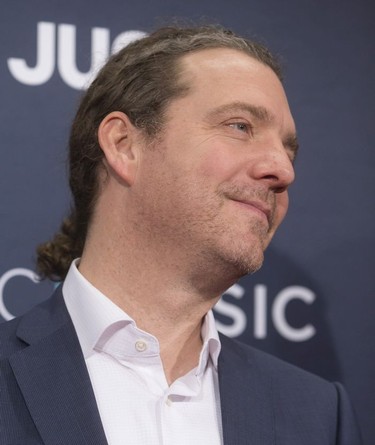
[(214, 188)]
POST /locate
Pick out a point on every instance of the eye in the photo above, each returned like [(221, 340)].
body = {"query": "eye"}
[(241, 126)]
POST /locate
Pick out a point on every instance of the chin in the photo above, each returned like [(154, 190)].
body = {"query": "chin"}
[(247, 261), (238, 255), (249, 267)]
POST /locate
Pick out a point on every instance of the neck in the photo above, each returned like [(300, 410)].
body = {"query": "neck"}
[(159, 297), (154, 280)]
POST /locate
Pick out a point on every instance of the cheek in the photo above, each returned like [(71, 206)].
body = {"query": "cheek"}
[(216, 165)]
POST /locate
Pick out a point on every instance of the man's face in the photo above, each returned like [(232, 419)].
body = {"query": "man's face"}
[(213, 190)]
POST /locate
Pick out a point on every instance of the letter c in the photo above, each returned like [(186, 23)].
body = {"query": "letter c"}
[(19, 271), (278, 313)]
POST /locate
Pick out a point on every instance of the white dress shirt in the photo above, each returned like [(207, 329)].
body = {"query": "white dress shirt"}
[(136, 405)]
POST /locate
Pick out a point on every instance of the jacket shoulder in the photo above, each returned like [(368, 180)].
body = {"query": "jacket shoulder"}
[(287, 382), (269, 364), (305, 408), (38, 322), (9, 342)]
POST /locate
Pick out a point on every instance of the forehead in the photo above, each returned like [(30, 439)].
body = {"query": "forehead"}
[(221, 64), (221, 75)]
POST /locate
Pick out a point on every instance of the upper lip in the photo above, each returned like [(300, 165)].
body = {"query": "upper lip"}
[(260, 205)]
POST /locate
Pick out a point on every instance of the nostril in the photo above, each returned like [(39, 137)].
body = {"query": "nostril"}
[(280, 189)]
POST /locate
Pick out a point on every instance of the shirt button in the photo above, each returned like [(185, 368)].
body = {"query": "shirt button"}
[(140, 346)]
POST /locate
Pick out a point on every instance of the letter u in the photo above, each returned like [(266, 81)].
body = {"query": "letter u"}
[(66, 56)]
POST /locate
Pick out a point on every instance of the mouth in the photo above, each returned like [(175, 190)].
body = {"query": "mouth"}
[(259, 208)]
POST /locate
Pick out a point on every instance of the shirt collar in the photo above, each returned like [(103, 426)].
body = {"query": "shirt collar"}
[(211, 342), (91, 311), (97, 319)]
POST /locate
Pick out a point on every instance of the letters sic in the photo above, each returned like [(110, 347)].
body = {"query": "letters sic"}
[(238, 318)]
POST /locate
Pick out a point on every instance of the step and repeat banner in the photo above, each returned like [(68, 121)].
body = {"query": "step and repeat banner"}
[(313, 302)]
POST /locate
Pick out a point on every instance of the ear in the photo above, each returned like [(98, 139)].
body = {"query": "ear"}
[(119, 140)]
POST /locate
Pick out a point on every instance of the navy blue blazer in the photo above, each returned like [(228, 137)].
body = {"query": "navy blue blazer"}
[(46, 396)]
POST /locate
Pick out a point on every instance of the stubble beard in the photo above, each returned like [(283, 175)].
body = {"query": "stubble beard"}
[(245, 254), (206, 240), (229, 248)]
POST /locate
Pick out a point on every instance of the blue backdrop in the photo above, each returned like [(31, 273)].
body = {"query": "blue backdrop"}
[(313, 302)]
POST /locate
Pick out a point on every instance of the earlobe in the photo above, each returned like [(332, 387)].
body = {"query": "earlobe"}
[(117, 139)]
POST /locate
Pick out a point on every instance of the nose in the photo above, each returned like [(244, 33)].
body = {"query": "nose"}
[(274, 166)]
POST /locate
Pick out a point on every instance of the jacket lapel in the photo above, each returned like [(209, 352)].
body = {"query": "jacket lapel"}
[(246, 399), (53, 378)]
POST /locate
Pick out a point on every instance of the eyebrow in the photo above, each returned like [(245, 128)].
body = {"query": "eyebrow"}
[(260, 113), (290, 142)]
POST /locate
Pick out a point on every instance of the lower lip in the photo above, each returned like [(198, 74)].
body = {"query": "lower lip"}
[(253, 209)]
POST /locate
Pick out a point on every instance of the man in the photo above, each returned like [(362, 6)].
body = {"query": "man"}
[(181, 155)]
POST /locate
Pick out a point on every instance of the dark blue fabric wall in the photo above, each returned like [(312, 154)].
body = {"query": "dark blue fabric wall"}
[(313, 303)]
